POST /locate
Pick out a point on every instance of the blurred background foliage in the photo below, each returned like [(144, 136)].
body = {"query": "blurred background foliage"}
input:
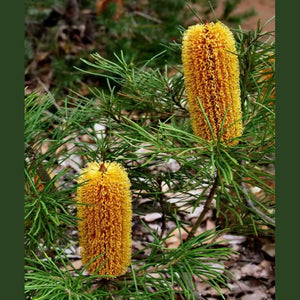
[(58, 33)]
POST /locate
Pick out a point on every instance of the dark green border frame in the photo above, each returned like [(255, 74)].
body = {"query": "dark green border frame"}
[(287, 161), (11, 139)]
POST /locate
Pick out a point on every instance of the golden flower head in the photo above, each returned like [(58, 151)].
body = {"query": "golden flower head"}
[(211, 72), (105, 218)]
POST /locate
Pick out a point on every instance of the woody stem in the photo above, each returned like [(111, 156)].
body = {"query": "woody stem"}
[(205, 209)]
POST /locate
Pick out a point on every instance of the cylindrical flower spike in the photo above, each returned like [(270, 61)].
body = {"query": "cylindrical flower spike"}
[(211, 71), (105, 222)]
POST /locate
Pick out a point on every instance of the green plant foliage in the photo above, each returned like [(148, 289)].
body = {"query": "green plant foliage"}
[(141, 107), (157, 277)]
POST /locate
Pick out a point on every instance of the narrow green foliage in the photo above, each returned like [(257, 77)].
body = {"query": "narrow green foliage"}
[(138, 116), (163, 270), (64, 281)]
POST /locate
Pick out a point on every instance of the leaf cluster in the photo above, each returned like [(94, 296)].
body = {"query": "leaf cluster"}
[(161, 275)]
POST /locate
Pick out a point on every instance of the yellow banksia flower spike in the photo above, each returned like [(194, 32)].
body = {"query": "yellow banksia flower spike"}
[(105, 222), (211, 72)]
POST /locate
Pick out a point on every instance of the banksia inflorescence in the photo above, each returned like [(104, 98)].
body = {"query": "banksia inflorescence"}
[(211, 71), (105, 222)]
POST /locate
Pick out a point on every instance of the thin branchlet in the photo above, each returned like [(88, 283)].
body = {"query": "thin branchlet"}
[(206, 208)]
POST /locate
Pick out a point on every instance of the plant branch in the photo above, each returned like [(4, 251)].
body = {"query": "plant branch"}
[(205, 209), (143, 15), (162, 205), (251, 204), (159, 268)]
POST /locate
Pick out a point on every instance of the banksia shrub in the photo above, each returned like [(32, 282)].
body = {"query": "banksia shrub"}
[(104, 210), (211, 72)]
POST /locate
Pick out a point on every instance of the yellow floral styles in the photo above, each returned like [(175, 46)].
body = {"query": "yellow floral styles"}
[(105, 218), (211, 72)]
